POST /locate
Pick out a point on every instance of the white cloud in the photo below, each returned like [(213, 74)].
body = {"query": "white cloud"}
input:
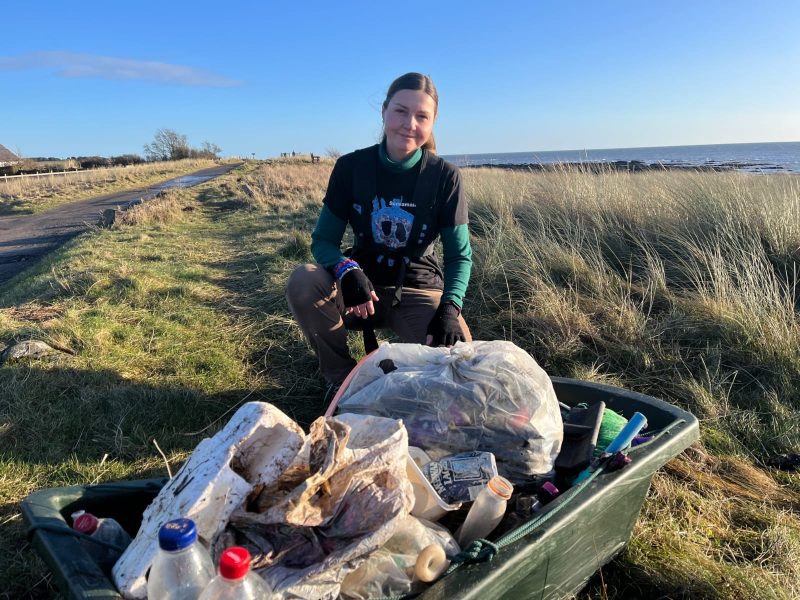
[(75, 65)]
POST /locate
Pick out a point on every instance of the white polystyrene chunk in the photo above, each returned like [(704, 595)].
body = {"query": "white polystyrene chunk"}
[(259, 441)]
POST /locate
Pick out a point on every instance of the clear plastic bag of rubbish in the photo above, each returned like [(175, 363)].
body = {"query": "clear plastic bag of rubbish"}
[(390, 571), (343, 498), (476, 396)]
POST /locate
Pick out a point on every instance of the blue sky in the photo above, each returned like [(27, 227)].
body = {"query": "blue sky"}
[(79, 78)]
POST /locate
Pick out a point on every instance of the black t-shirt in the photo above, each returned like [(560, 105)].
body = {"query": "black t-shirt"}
[(392, 214)]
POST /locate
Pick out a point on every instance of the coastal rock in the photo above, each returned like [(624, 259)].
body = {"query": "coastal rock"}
[(596, 167), (28, 349)]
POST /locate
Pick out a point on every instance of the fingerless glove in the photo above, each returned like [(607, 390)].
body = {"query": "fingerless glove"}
[(444, 326), (356, 288)]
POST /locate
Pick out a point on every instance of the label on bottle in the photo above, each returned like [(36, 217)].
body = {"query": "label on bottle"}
[(461, 477)]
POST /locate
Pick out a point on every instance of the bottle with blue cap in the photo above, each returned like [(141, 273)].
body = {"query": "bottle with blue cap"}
[(182, 568)]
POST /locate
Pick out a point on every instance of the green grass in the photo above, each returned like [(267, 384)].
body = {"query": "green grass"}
[(679, 285), (173, 326)]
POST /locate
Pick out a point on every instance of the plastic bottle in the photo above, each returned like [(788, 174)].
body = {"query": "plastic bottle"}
[(182, 568), (235, 580), (104, 530), (486, 512)]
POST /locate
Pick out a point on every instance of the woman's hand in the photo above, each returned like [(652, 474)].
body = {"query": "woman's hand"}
[(363, 310), (358, 294), (444, 328)]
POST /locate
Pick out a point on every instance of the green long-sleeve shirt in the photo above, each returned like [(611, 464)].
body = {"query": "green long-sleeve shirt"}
[(392, 215), (326, 248)]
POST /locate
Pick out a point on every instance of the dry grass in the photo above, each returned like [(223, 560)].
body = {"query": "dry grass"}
[(286, 186), (718, 527), (168, 207), (679, 285), (33, 194)]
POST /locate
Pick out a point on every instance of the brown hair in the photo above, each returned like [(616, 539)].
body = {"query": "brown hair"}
[(415, 82)]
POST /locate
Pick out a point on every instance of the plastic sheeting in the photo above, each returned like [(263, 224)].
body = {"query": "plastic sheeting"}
[(390, 571), (476, 396), (343, 498)]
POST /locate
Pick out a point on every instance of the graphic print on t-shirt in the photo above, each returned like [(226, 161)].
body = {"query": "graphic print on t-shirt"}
[(391, 225)]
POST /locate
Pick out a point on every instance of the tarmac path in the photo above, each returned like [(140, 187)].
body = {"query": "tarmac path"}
[(25, 239)]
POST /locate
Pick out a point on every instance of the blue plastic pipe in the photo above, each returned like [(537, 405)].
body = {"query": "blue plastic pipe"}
[(624, 438), (630, 431)]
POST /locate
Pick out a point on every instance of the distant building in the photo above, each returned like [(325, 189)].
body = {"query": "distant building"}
[(7, 157)]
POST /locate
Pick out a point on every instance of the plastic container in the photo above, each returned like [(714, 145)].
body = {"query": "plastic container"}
[(182, 568), (235, 581), (554, 561), (581, 429), (106, 531), (461, 477), (486, 512), (427, 503)]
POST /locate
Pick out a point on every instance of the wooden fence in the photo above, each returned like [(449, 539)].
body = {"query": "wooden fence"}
[(40, 174)]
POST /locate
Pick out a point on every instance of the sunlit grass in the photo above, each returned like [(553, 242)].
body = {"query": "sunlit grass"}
[(677, 284), (25, 195)]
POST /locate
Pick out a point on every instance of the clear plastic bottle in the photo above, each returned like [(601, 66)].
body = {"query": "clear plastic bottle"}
[(235, 580), (182, 568), (486, 512), (104, 530)]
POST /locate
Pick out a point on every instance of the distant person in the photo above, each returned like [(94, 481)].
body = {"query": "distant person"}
[(398, 197)]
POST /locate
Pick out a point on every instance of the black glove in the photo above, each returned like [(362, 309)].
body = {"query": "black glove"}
[(356, 288), (444, 326)]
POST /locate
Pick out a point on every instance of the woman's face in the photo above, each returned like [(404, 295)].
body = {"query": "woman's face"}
[(408, 122)]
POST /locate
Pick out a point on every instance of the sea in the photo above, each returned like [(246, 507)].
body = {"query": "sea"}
[(772, 157)]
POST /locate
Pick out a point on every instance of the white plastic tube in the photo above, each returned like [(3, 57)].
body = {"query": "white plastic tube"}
[(487, 511)]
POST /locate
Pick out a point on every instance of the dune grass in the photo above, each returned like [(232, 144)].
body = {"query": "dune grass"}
[(26, 195), (679, 285), (682, 286)]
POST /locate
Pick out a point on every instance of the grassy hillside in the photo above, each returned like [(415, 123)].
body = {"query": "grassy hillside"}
[(679, 285)]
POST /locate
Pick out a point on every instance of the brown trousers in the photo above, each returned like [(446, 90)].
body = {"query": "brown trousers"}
[(317, 306)]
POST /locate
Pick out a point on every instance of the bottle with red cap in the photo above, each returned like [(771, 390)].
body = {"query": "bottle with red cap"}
[(108, 538), (235, 580), (182, 568)]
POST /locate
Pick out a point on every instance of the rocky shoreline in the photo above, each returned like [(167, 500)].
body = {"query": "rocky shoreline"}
[(633, 166)]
